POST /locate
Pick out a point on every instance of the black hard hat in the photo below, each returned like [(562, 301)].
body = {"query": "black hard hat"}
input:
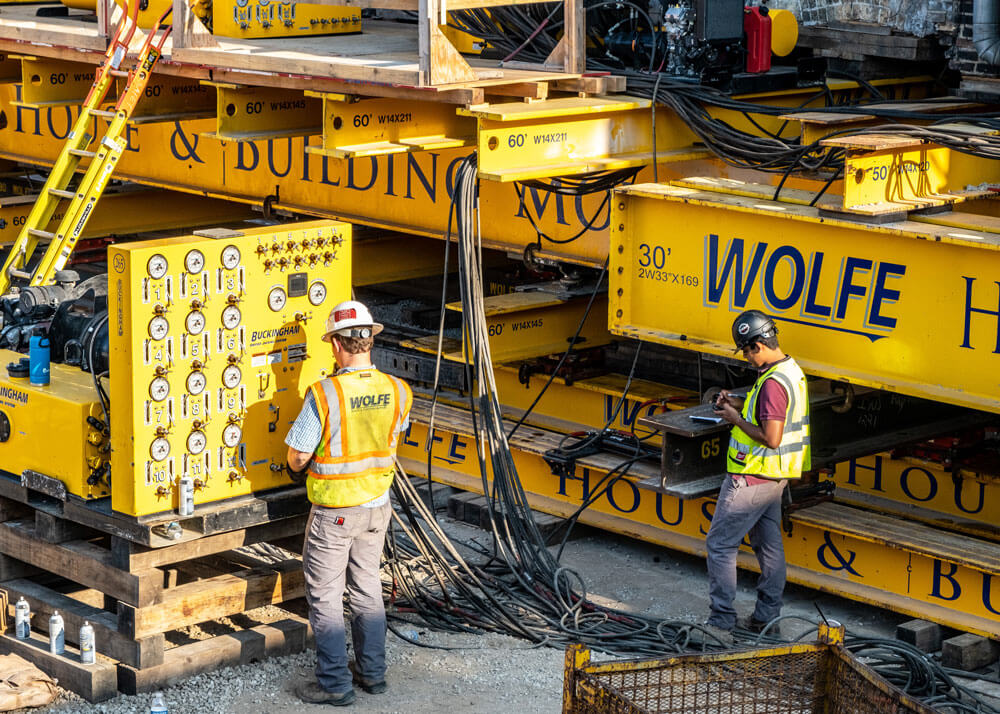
[(751, 326)]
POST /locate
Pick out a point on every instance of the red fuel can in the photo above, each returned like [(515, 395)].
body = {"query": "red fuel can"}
[(757, 27)]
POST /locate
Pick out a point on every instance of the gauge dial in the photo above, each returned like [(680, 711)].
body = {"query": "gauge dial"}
[(317, 292), (196, 382), (158, 327), (231, 435), (156, 266), (231, 376), (196, 442), (159, 389), (195, 322), (159, 449), (231, 317), (230, 257), (277, 298), (194, 261)]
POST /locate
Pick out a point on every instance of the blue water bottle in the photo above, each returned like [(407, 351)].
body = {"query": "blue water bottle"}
[(38, 356)]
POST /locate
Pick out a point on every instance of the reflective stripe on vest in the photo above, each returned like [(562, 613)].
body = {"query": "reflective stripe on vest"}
[(794, 453), (354, 462)]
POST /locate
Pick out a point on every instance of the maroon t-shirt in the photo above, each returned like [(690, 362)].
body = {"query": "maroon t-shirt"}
[(772, 405)]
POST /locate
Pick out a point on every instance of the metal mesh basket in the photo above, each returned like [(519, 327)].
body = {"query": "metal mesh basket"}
[(792, 679)]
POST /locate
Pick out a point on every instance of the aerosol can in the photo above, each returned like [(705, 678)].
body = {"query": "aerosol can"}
[(158, 705), (22, 619), (57, 634), (88, 649)]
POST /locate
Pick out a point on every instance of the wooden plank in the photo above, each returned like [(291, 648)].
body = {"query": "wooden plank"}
[(13, 568), (131, 556), (188, 29), (273, 640), (53, 529), (145, 652), (213, 598), (94, 682), (873, 142), (526, 90), (10, 509), (82, 562)]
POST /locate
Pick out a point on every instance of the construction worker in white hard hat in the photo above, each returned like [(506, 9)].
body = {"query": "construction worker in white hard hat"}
[(343, 446)]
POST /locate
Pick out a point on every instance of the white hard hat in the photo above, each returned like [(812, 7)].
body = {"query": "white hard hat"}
[(350, 319)]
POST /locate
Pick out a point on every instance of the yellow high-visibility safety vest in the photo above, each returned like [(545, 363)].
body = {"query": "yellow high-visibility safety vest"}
[(355, 464), (793, 455)]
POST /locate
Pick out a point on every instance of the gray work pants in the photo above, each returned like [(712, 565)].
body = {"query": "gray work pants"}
[(343, 546), (743, 509)]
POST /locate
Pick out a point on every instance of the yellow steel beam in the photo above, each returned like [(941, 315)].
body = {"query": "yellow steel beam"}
[(910, 307), (254, 113), (574, 135), (353, 126), (129, 213), (906, 567), (922, 490), (170, 98), (48, 82), (895, 173)]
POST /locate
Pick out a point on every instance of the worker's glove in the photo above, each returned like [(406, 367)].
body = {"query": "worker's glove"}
[(297, 477)]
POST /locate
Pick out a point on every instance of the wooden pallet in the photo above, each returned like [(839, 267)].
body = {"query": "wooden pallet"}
[(48, 495), (134, 596)]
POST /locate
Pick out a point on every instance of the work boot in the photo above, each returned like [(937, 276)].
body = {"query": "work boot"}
[(715, 635), (752, 624), (314, 694), (366, 684)]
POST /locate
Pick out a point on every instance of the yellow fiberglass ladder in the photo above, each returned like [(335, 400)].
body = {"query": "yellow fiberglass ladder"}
[(102, 162)]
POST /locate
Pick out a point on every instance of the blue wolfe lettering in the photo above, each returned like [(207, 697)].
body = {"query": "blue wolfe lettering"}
[(370, 401), (851, 294)]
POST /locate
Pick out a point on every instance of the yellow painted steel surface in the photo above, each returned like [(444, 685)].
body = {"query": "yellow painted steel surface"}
[(48, 430), (908, 306), (950, 586), (129, 212), (52, 82), (406, 192), (248, 113), (924, 490), (214, 341)]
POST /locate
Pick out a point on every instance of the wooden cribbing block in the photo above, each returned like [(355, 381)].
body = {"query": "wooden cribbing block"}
[(11, 510), (11, 568), (145, 652), (94, 682), (213, 598), (130, 556), (82, 562), (53, 529), (279, 638)]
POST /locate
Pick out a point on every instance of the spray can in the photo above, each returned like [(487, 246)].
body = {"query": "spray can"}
[(22, 619), (38, 359), (57, 634), (158, 705), (88, 649), (185, 498)]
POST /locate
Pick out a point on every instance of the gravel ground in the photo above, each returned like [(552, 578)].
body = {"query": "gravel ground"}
[(491, 673)]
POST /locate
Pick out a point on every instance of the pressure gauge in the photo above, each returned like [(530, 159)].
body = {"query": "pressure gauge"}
[(230, 257), (231, 317), (277, 298), (195, 322), (156, 266), (196, 442), (159, 449), (194, 261), (231, 435), (159, 388), (317, 292), (158, 327), (196, 382), (231, 376)]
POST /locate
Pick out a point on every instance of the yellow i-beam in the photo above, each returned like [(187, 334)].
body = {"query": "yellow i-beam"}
[(69, 159)]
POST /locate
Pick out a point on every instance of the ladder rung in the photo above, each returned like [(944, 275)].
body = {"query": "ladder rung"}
[(83, 152), (118, 72), (39, 233), (15, 273), (62, 194), (103, 113)]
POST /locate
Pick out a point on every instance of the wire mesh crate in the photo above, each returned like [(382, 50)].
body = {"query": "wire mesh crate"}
[(819, 678)]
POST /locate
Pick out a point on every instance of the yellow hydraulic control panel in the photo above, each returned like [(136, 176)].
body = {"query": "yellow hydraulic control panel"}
[(269, 18), (215, 338), (46, 429)]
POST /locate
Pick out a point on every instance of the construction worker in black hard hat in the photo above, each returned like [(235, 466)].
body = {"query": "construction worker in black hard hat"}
[(768, 446)]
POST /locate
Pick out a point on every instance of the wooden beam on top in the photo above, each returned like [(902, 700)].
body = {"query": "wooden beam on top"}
[(526, 90)]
